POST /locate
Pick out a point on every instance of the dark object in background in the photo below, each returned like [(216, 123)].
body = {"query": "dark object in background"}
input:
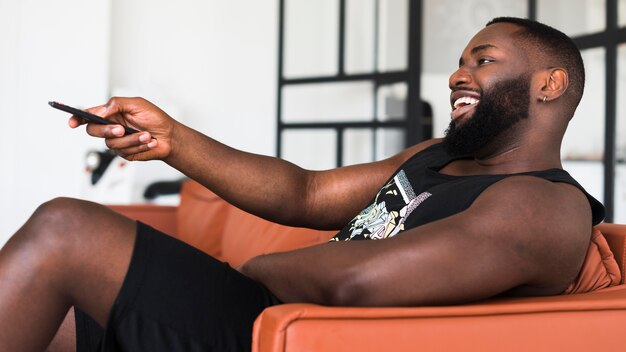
[(97, 163), (162, 188)]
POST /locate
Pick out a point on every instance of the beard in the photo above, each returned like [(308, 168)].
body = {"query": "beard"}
[(500, 108)]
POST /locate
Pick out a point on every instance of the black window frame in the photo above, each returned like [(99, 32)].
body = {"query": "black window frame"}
[(609, 39), (411, 123)]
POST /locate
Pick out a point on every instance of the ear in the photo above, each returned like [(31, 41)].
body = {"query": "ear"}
[(552, 84)]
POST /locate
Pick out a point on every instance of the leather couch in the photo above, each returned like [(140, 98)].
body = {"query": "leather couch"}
[(586, 322)]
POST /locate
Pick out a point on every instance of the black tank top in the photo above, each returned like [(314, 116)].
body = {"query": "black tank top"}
[(418, 194)]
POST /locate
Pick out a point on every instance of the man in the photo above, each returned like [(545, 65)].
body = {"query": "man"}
[(487, 212)]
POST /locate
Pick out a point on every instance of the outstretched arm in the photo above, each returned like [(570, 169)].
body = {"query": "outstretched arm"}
[(269, 187), (522, 233)]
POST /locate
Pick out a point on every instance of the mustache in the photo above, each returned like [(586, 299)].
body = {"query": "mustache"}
[(476, 90)]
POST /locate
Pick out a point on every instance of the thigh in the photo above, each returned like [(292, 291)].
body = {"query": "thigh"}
[(177, 298), (93, 247), (69, 252)]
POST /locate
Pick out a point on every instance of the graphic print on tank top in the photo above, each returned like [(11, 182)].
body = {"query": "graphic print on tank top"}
[(385, 217)]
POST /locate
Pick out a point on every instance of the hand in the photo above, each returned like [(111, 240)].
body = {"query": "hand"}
[(157, 128)]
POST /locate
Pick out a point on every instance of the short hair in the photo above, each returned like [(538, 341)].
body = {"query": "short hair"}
[(558, 47)]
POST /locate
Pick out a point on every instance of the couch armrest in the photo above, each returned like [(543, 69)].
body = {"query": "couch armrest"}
[(161, 217), (583, 322)]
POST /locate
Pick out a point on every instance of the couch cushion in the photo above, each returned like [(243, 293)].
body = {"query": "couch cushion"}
[(615, 235), (599, 270), (201, 218), (246, 236)]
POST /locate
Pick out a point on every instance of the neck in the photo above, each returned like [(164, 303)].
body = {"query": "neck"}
[(509, 155)]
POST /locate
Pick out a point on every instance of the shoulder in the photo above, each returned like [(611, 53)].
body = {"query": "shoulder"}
[(536, 193), (548, 204), (550, 221), (384, 168), (419, 147), (406, 154)]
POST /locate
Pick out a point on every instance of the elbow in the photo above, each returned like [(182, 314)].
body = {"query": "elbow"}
[(342, 296), (348, 291)]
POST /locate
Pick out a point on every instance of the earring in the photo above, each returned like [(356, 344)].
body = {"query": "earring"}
[(545, 97)]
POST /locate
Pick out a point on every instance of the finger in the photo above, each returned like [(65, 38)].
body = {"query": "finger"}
[(139, 152), (74, 122), (105, 131), (116, 109), (129, 141), (133, 153), (116, 106), (106, 113), (100, 110)]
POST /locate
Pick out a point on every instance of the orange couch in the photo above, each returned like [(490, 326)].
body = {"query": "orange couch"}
[(579, 322)]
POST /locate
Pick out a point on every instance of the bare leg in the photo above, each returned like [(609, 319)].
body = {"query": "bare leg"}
[(70, 252)]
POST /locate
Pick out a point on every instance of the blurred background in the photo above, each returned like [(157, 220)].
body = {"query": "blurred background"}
[(319, 82)]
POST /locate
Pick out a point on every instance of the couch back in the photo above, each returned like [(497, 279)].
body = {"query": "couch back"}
[(615, 235), (209, 223), (203, 219)]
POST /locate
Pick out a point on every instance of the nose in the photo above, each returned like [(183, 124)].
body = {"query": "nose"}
[(459, 78)]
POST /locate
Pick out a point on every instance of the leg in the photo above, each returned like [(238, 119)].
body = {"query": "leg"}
[(69, 252)]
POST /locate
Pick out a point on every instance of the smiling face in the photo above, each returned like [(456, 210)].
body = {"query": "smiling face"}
[(500, 109), (490, 90)]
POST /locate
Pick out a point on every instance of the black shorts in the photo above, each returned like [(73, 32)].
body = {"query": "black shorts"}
[(176, 298)]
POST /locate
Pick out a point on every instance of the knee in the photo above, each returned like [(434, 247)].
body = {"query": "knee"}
[(53, 224), (54, 207), (57, 213), (45, 241)]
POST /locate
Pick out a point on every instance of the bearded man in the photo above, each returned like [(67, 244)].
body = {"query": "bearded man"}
[(486, 211)]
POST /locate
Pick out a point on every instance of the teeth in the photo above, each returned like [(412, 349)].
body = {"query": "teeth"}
[(465, 101)]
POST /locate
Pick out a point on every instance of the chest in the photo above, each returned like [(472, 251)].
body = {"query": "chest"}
[(413, 197)]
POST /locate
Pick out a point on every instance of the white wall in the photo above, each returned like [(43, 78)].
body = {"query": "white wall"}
[(211, 64), (49, 51)]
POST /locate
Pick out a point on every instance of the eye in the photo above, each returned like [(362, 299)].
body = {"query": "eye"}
[(485, 60)]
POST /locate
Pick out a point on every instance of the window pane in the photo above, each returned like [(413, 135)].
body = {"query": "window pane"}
[(359, 43), (436, 93), (573, 17), (358, 146), (311, 149), (590, 174), (389, 141), (621, 7), (311, 35), (328, 102), (392, 102), (450, 24), (620, 172), (584, 139), (619, 214), (393, 32), (583, 145)]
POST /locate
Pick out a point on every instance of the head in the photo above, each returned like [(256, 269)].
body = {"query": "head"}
[(555, 50), (507, 69)]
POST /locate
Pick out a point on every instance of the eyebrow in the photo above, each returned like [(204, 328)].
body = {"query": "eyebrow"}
[(477, 49), (482, 47)]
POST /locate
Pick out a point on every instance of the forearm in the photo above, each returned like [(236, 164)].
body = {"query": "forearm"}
[(299, 276), (351, 273), (276, 189), (269, 187), (265, 186)]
